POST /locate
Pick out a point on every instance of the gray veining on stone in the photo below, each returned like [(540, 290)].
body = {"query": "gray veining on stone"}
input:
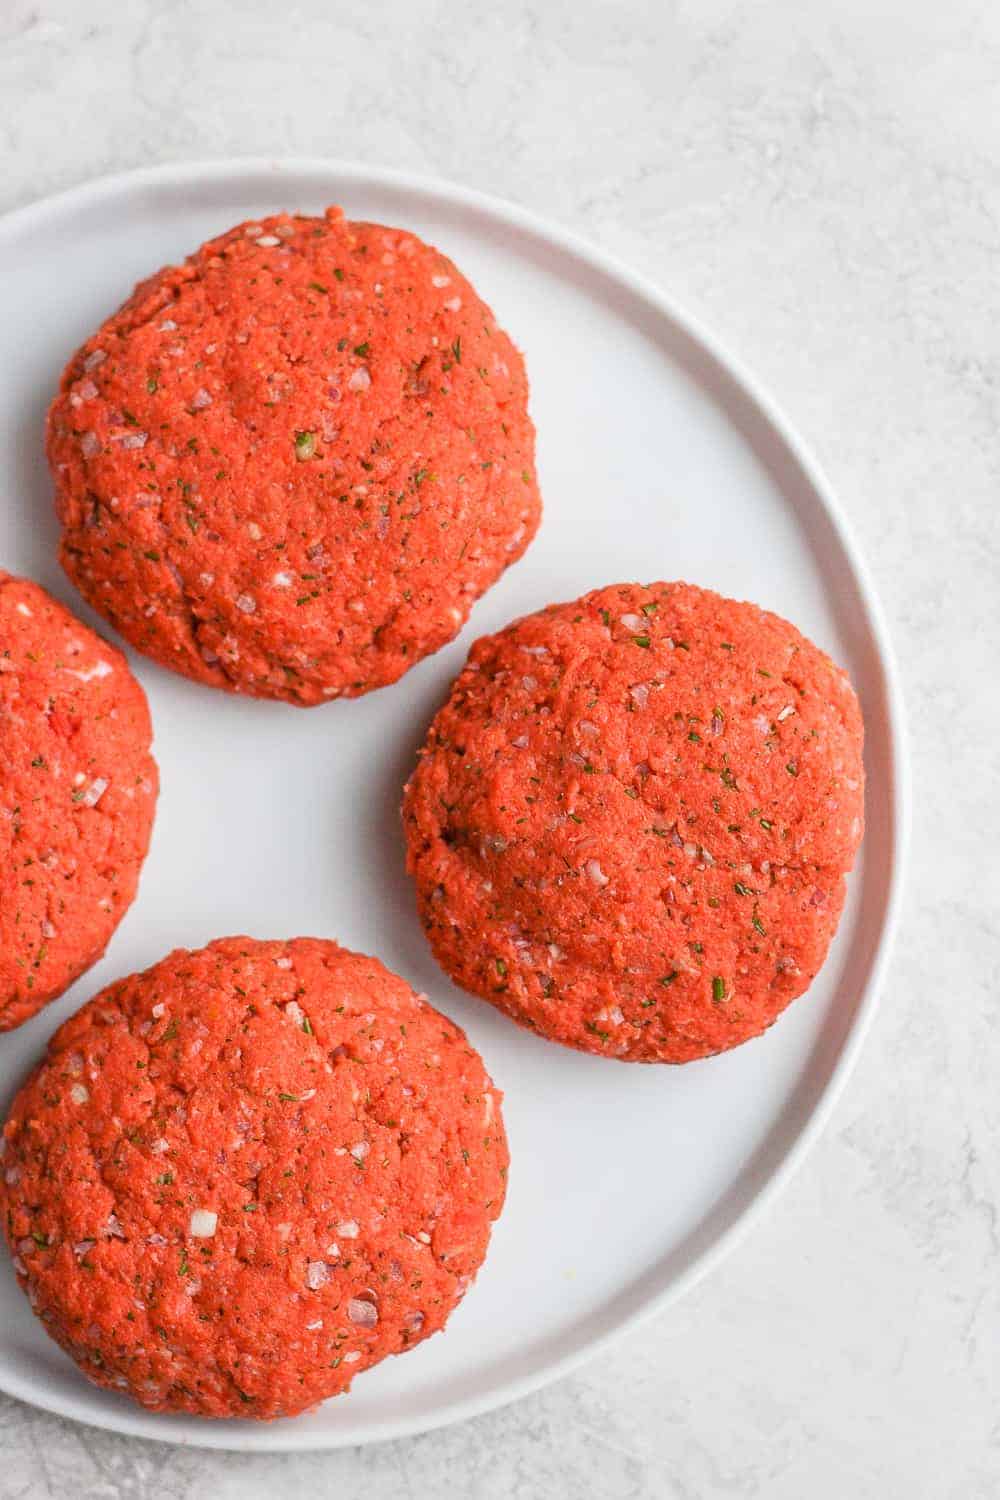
[(820, 181)]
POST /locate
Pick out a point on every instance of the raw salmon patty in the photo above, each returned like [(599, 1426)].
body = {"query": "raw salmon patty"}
[(291, 465), (77, 795), (631, 822), (249, 1173)]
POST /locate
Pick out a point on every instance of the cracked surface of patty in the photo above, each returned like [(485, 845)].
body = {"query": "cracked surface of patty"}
[(630, 824), (78, 790), (248, 1174), (291, 465)]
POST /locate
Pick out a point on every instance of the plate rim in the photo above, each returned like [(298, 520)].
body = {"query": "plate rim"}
[(286, 1436)]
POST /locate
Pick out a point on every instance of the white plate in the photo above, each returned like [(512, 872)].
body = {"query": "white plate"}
[(657, 460)]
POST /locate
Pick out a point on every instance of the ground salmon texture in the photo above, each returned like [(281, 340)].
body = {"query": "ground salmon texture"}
[(289, 466), (244, 1176), (630, 824), (78, 792)]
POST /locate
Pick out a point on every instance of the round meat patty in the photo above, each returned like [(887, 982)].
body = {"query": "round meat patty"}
[(630, 824), (249, 1173), (290, 466), (77, 796)]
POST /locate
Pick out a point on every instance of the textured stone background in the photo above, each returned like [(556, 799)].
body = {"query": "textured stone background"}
[(820, 181)]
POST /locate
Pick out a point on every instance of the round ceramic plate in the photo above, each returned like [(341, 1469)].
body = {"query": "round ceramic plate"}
[(658, 459)]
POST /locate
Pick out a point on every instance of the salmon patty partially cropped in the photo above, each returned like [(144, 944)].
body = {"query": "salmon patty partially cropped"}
[(631, 822), (291, 465), (249, 1173), (77, 796)]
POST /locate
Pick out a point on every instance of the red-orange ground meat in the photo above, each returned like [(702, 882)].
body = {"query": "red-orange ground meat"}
[(630, 824), (291, 465), (244, 1176), (77, 796)]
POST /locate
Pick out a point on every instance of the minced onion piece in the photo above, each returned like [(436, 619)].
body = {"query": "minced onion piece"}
[(317, 1274), (362, 1312)]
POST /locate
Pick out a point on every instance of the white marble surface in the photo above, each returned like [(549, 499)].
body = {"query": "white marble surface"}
[(821, 182)]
